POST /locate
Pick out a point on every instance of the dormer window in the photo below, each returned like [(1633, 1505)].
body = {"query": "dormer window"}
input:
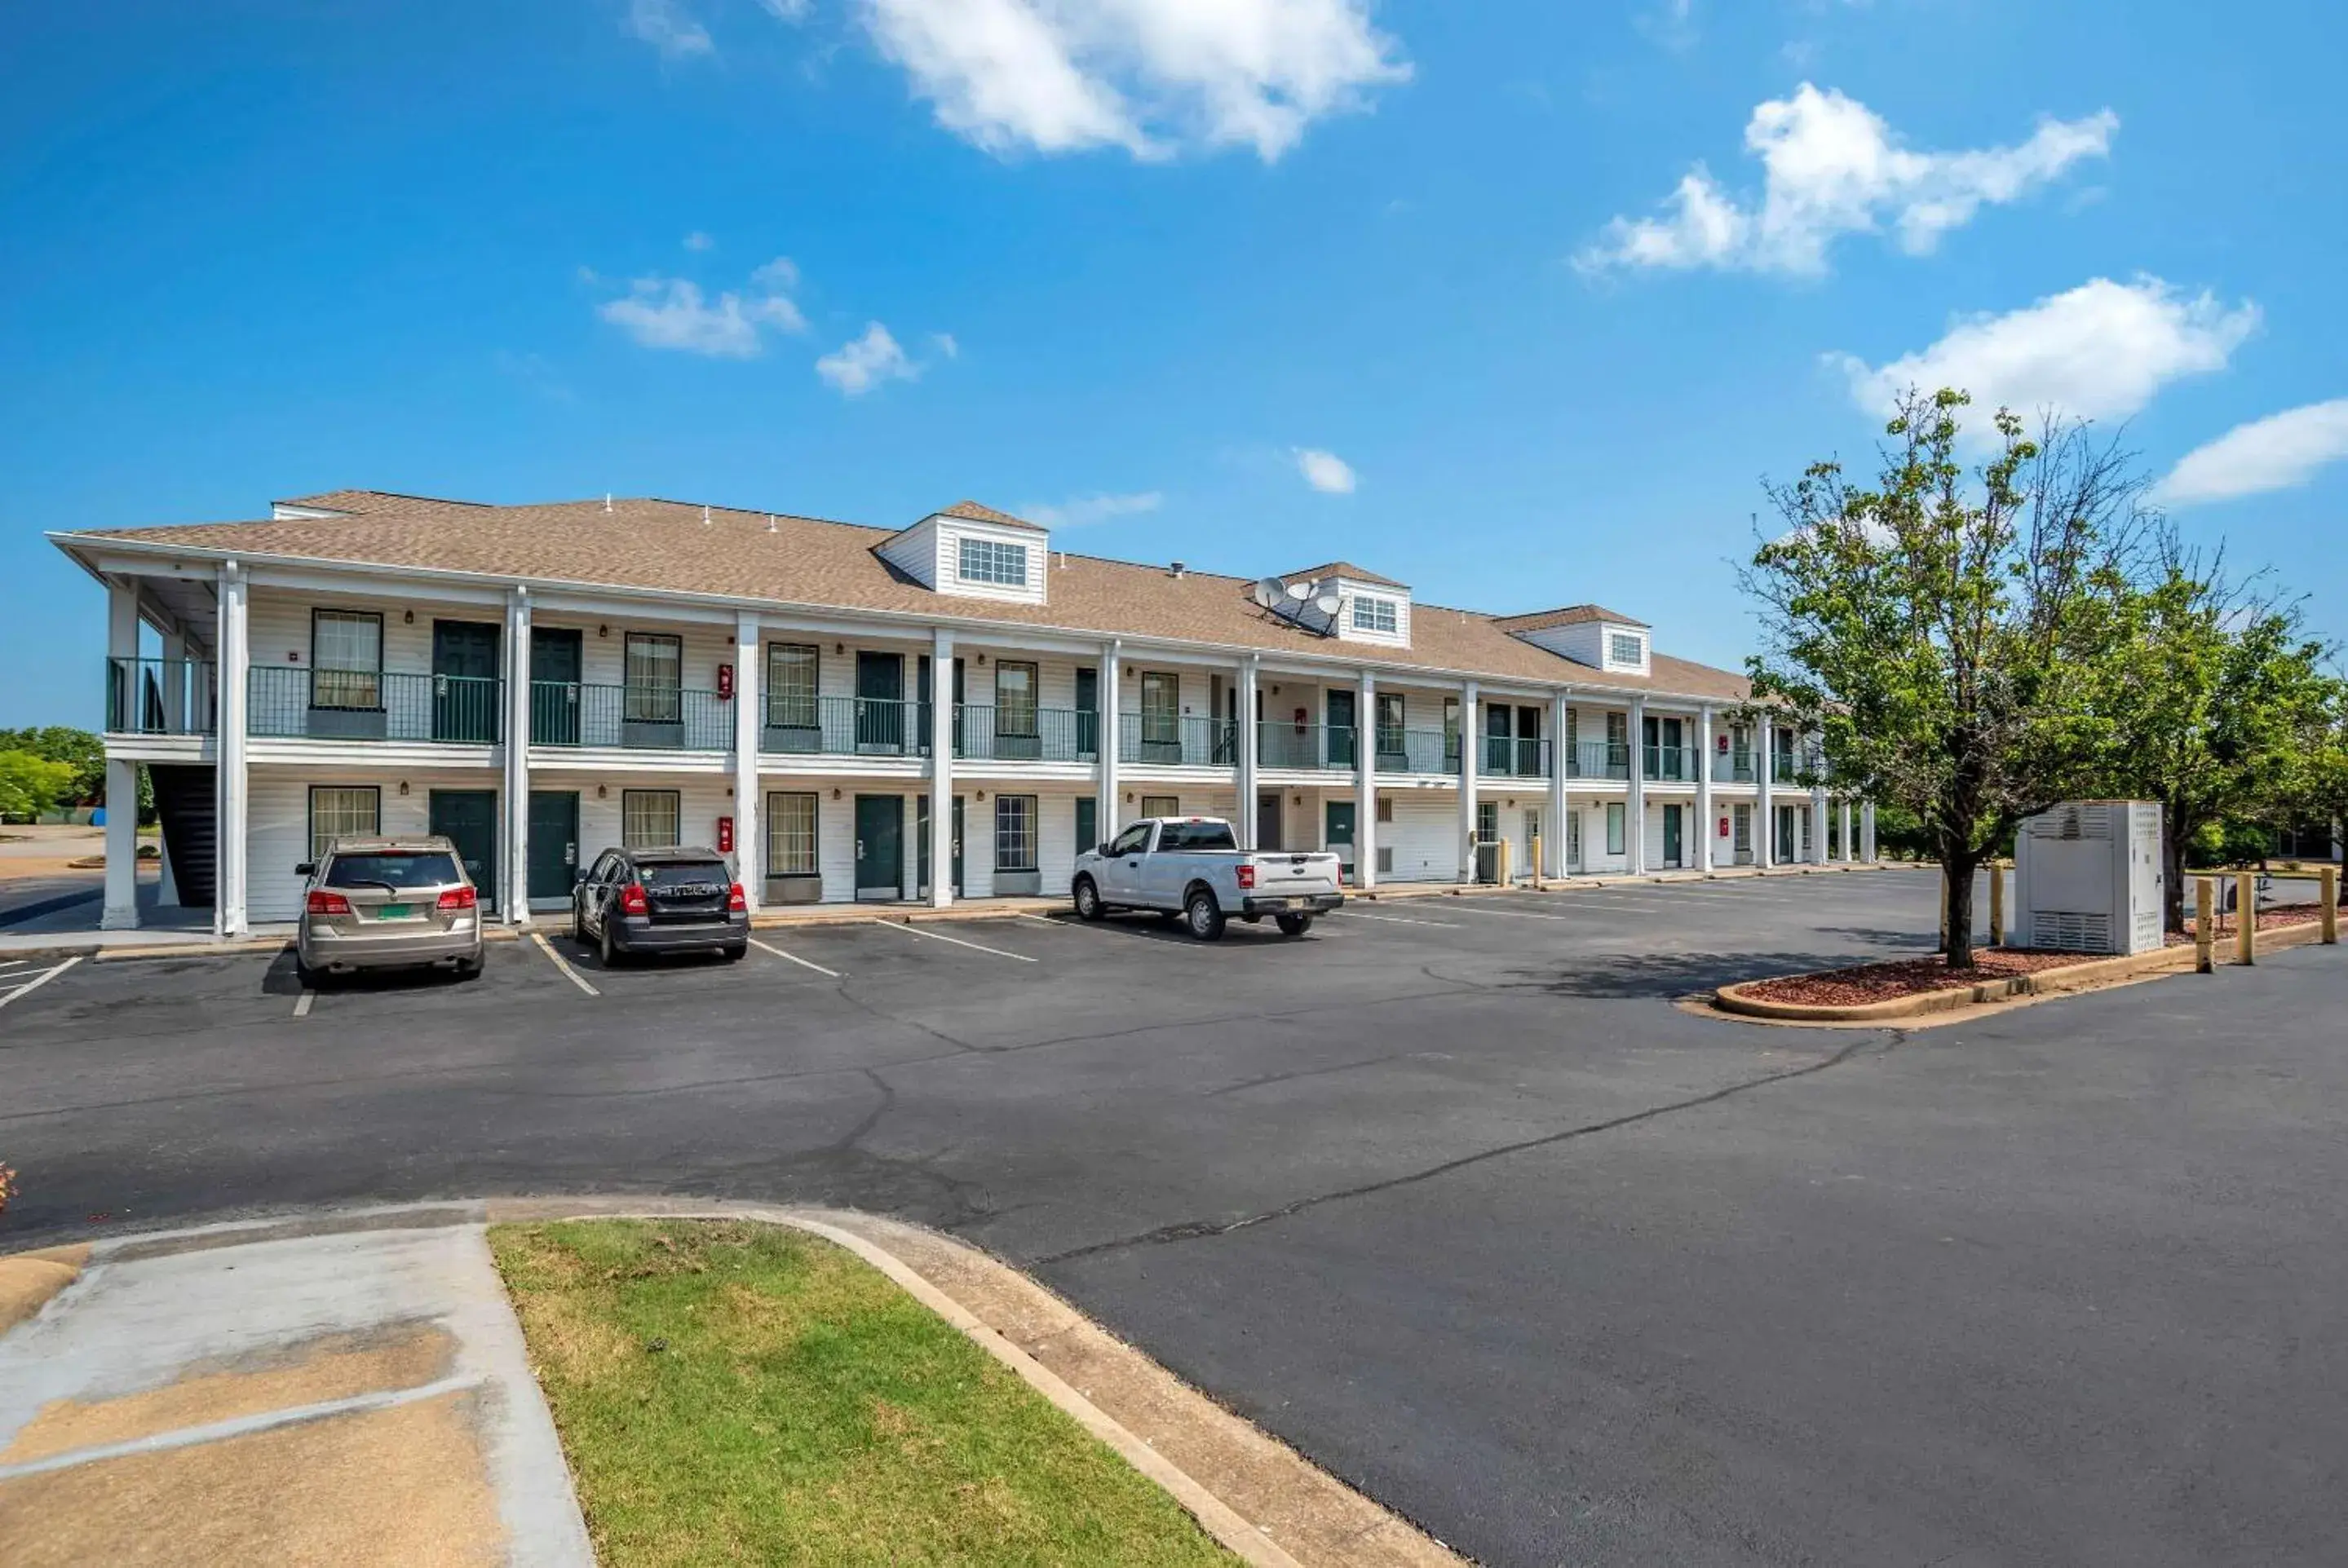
[(992, 561), (1376, 615), (1626, 648)]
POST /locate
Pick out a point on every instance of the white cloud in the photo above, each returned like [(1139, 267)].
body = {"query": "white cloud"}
[(793, 11), (667, 26), (1092, 509), (672, 314), (780, 276), (1324, 471), (946, 344), (1832, 167), (863, 364), (2100, 351), (1147, 76), (2277, 453), (698, 240)]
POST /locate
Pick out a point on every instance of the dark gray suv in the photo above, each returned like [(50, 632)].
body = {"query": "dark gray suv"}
[(660, 901)]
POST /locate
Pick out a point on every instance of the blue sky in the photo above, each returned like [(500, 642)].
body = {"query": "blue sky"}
[(1550, 287)]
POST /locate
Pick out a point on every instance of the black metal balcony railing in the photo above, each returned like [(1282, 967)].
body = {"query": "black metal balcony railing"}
[(643, 718), (1735, 767), (1418, 752), (374, 705), (1521, 757), (1670, 764), (161, 696), (1325, 748), (1600, 760), (1026, 734), (1176, 741), (1791, 767), (847, 727)]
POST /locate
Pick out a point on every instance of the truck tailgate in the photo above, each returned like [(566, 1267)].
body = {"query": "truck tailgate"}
[(1295, 875)]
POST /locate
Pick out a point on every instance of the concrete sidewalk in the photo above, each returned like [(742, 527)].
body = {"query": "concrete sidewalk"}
[(347, 1391)]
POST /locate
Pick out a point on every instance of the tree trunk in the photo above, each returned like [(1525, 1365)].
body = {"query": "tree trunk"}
[(2172, 877), (1957, 890)]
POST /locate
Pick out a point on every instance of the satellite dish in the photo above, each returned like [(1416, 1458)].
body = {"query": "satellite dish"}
[(1268, 592), (1297, 590), (1327, 604)]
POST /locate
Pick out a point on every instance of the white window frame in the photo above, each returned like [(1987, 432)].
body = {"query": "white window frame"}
[(1626, 648), (793, 704), (792, 836), (654, 701), (346, 682), (1162, 806), (636, 805), (342, 817), (995, 563), (1618, 823), (1017, 830), (1372, 613)]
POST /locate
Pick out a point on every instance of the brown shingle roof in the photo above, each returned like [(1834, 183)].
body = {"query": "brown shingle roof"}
[(979, 514), (663, 546), (1572, 615), (1343, 568)]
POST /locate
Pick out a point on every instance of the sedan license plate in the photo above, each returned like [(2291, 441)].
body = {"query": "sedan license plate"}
[(393, 912)]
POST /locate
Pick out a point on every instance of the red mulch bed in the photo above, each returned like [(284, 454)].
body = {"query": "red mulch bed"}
[(2271, 918), (1899, 978)]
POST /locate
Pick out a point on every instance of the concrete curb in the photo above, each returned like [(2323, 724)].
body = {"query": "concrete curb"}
[(31, 1280)]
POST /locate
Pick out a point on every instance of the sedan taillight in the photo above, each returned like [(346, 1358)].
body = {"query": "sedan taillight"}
[(632, 900), (459, 898), (1247, 877), (324, 903), (737, 902)]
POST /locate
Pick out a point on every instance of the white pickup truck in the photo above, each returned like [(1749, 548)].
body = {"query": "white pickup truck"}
[(1193, 866)]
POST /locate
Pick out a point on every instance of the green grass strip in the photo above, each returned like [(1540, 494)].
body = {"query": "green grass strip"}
[(746, 1393)]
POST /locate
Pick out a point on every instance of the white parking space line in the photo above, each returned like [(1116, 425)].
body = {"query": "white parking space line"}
[(562, 963), (1133, 930), (16, 964), (1466, 908), (302, 1003), (37, 981), (957, 941), (1397, 919), (795, 958)]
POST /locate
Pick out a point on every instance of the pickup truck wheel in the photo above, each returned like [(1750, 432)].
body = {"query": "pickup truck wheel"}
[(1295, 924), (1204, 915), (1088, 904)]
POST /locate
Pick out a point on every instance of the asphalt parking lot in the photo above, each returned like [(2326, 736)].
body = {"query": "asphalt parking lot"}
[(1448, 1193)]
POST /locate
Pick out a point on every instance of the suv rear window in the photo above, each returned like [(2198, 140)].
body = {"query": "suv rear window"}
[(396, 868), (1195, 836), (672, 874)]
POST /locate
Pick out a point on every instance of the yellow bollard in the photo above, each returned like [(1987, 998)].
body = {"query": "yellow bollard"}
[(1996, 903), (2327, 882), (1537, 863), (2205, 924), (2246, 916), (1506, 878)]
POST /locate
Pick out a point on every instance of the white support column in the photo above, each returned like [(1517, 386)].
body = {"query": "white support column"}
[(1471, 743), (1112, 742), (749, 732), (1842, 842), (231, 784), (1765, 835), (1560, 765), (1637, 810), (942, 785), (1817, 844), (1250, 682), (515, 878), (1867, 831), (1365, 789), (120, 910), (1707, 840)]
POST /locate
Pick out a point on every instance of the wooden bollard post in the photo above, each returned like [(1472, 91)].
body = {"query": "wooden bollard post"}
[(1996, 903), (2205, 924), (2246, 916), (2327, 882)]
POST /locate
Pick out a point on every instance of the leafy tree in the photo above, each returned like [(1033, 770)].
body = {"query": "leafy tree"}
[(1944, 631), (30, 786), (2219, 703), (62, 743)]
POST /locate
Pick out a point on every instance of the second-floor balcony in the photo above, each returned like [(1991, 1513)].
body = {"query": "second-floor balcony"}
[(1307, 748), (1669, 764), (161, 697), (1600, 760), (1522, 757), (374, 705), (1740, 766), (1176, 740), (1418, 752)]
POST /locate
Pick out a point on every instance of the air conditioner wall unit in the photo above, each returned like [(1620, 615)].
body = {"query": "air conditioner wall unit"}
[(2087, 878)]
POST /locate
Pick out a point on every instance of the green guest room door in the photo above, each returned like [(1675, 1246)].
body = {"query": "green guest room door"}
[(467, 818)]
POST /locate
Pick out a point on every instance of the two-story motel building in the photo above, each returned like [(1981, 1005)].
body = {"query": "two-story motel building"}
[(541, 683)]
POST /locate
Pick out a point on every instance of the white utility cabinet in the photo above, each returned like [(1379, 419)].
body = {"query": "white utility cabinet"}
[(2086, 878)]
